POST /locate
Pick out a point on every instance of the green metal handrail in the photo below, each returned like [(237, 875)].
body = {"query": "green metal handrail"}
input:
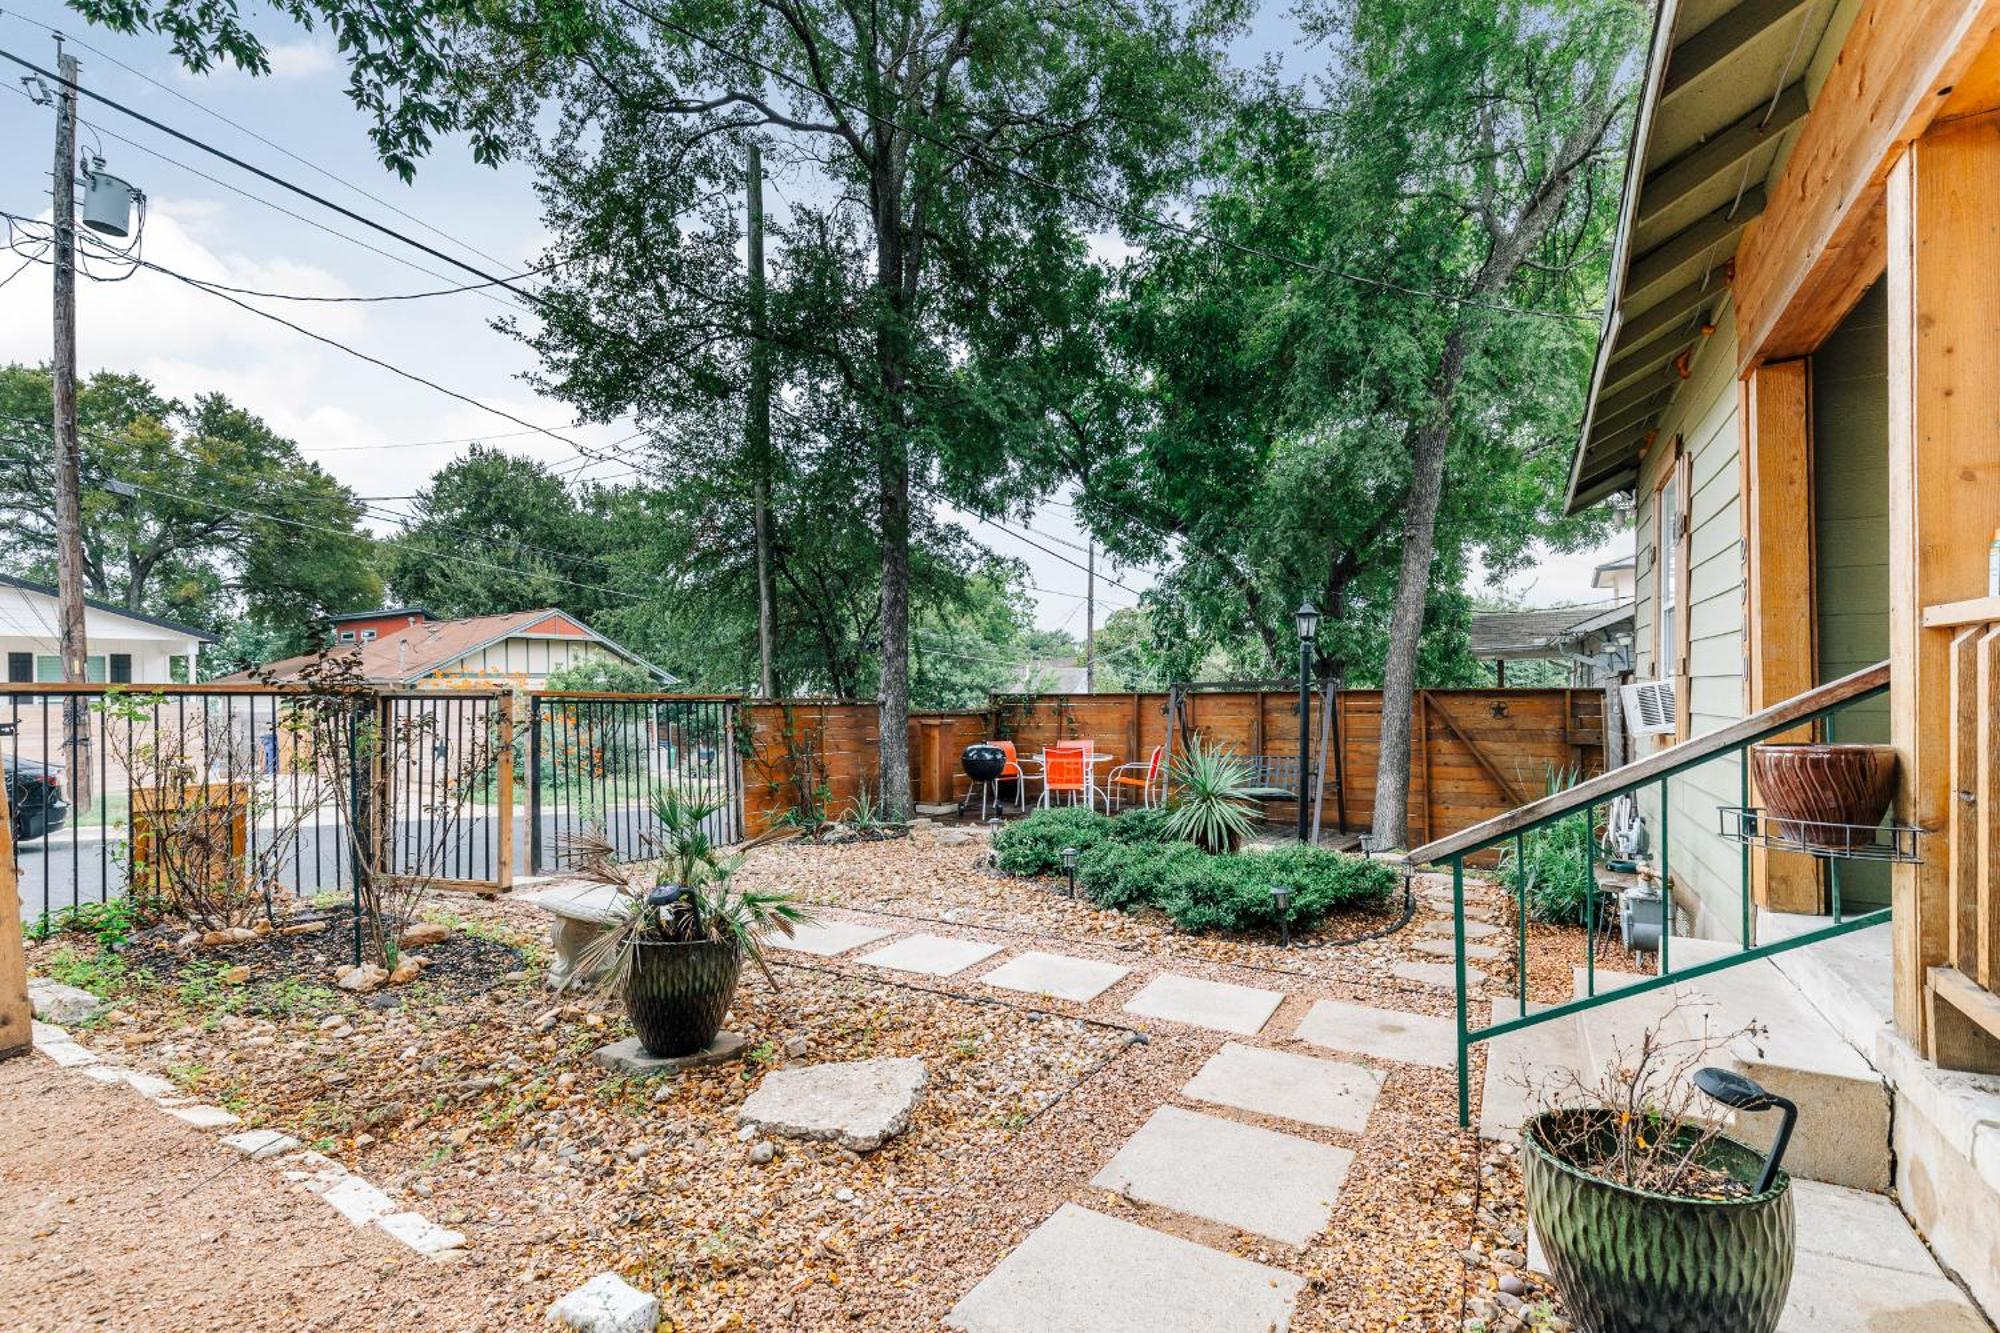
[(1585, 799)]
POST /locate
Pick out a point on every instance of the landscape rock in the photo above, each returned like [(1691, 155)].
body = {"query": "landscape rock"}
[(607, 1304), (63, 1005), (408, 968), (303, 928), (216, 939), (859, 1104), (762, 1152), (234, 976), (425, 934), (359, 977)]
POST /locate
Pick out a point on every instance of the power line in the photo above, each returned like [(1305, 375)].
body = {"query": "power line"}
[(1124, 211), (272, 144)]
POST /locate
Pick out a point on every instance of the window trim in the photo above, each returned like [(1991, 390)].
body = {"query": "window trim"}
[(1671, 542)]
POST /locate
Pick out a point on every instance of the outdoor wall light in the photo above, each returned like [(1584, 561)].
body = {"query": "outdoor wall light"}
[(1069, 855), (1307, 617), (1281, 897), (1743, 1094)]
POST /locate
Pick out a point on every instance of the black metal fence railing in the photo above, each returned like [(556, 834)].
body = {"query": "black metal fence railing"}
[(476, 783), (594, 761)]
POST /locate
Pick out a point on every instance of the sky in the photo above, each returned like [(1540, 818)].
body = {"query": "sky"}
[(376, 432)]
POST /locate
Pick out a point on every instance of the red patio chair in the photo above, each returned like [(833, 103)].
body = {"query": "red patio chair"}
[(1020, 770), (1148, 779), (1065, 770)]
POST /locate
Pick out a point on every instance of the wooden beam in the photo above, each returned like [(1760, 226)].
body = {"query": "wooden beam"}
[(1972, 611), (1646, 360), (1704, 52), (1966, 1019), (17, 1029), (1944, 490), (1900, 61), (1976, 922), (1610, 485), (1667, 314), (1965, 851), (1622, 406), (1711, 236), (1775, 422), (1722, 157), (1506, 785), (503, 871)]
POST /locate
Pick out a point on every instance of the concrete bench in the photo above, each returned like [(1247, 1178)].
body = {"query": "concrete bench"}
[(582, 912)]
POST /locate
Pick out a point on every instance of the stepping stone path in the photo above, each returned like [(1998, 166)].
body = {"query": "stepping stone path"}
[(1328, 1093), (1083, 1272), (1484, 953), (1474, 930), (1057, 975), (932, 955), (1386, 1034), (860, 1104), (825, 938), (1209, 1004), (1444, 975)]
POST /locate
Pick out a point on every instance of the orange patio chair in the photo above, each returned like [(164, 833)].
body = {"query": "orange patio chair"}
[(1064, 770), (1148, 779)]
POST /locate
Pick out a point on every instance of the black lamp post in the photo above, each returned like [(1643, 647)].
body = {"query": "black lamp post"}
[(1069, 868), (1307, 617)]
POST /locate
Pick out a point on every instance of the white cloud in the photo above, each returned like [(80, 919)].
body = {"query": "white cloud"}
[(301, 60)]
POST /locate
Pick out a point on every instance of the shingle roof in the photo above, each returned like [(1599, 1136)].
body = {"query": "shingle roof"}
[(1509, 633), (112, 609), (410, 654)]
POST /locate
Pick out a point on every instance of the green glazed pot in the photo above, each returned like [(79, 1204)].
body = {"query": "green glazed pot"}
[(1629, 1261), (678, 994)]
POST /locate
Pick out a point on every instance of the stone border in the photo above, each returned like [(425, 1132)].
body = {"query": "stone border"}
[(348, 1194)]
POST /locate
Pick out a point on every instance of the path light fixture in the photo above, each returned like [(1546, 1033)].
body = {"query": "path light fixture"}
[(1744, 1094), (1281, 897), (1069, 855), (1307, 620)]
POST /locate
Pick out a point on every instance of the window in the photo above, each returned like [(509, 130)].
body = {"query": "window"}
[(121, 668), (48, 669), (1672, 596), (368, 636), (347, 636), (20, 667)]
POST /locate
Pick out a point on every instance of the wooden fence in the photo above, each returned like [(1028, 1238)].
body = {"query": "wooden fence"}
[(1474, 753)]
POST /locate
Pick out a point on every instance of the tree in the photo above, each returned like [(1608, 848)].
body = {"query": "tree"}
[(534, 547), (226, 525), (958, 156)]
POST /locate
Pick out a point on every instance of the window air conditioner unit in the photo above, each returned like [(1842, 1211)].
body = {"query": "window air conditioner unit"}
[(1649, 708)]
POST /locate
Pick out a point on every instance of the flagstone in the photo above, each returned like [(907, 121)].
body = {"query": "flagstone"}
[(1254, 1179), (932, 955), (825, 938), (1474, 930), (1484, 953), (1057, 975), (1386, 1034), (1083, 1272), (1210, 1004), (1329, 1093), (1442, 975)]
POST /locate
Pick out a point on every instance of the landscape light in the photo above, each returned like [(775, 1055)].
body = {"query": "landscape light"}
[(1069, 855), (1281, 896)]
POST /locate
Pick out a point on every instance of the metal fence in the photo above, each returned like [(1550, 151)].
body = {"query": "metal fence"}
[(595, 760), (471, 793)]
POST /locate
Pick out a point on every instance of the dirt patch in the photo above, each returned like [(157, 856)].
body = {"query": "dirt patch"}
[(113, 1215)]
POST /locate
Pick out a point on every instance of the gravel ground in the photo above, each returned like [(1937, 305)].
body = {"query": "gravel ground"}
[(485, 1112), (113, 1215)]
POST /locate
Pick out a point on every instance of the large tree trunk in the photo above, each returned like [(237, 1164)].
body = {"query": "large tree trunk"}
[(1413, 584), (892, 351)]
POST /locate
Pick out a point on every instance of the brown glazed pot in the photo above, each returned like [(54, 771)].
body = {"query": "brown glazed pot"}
[(1808, 788)]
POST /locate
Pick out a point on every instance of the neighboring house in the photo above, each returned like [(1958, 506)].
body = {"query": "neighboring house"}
[(122, 646), (1795, 383), (1594, 642), (407, 647), (1618, 577), (1055, 675)]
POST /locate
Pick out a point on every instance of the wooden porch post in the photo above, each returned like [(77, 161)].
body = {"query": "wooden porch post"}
[(1944, 491), (1776, 425), (16, 1014)]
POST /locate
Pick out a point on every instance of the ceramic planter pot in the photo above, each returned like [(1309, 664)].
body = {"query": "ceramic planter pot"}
[(1630, 1261), (1810, 790), (678, 994)]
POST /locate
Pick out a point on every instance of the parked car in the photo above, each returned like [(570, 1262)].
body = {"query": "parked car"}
[(35, 795)]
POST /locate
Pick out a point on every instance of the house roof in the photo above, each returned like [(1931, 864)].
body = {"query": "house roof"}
[(409, 655), (1529, 634), (110, 609), (423, 611), (1728, 85)]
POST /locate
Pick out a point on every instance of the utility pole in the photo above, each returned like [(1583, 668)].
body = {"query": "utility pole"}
[(1090, 618), (758, 428), (68, 452)]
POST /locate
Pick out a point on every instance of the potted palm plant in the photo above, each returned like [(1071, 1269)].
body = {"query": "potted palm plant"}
[(674, 950), (1652, 1220)]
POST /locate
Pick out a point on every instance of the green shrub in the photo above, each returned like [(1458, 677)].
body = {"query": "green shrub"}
[(1141, 825), (1033, 846), (1555, 864), (1203, 892), (1127, 874)]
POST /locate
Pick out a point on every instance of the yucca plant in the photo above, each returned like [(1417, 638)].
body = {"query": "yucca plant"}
[(1212, 798)]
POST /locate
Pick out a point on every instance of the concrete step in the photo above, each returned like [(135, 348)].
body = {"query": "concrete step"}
[(1526, 1070), (1848, 979), (1843, 1130), (1612, 1034)]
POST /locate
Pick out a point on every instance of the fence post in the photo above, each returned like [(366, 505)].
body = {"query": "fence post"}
[(503, 872), (534, 784), (360, 819), (17, 1031)]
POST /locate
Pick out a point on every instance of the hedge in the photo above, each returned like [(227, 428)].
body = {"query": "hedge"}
[(1127, 863)]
